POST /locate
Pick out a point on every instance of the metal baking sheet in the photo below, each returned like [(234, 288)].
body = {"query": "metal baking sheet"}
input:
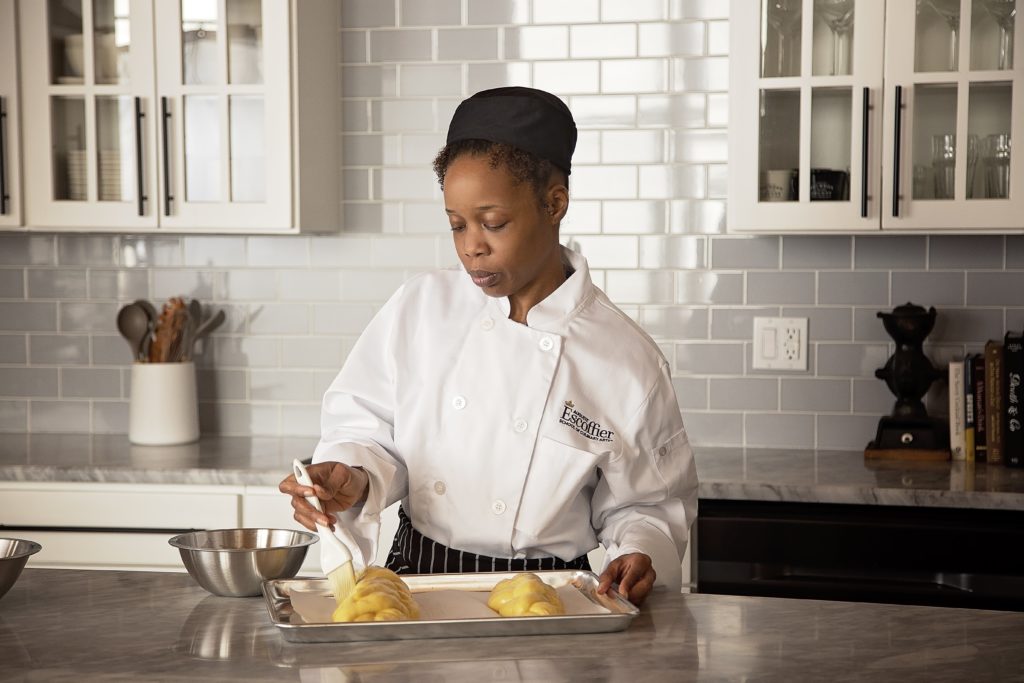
[(620, 611)]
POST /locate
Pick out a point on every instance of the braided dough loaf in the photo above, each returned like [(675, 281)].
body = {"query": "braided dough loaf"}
[(524, 595), (379, 595)]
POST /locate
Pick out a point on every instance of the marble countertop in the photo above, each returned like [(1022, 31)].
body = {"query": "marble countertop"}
[(88, 625), (725, 473)]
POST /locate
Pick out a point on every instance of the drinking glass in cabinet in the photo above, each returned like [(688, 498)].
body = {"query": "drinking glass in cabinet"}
[(838, 16), (831, 128), (1003, 12), (997, 166), (780, 48), (111, 40), (199, 42), (69, 161), (937, 39), (115, 139), (65, 26), (933, 140)]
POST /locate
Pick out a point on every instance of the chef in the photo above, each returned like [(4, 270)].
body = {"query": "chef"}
[(517, 414)]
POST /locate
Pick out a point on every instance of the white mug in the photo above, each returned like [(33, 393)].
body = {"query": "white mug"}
[(164, 409), (776, 185)]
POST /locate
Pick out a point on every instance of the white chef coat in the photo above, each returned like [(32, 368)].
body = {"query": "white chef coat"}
[(512, 440)]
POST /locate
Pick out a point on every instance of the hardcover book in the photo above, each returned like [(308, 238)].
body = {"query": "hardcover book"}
[(980, 427), (957, 436), (994, 402), (1013, 395)]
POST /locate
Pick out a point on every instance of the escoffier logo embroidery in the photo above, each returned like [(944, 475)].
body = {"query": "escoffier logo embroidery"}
[(583, 424)]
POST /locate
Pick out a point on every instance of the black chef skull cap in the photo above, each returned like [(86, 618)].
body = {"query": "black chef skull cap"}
[(532, 120)]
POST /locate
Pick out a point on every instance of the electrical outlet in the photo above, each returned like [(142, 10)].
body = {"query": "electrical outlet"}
[(780, 344)]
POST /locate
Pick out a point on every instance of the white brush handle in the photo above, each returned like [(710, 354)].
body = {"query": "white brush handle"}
[(335, 552)]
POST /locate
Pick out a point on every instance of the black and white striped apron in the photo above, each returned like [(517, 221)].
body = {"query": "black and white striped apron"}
[(414, 553)]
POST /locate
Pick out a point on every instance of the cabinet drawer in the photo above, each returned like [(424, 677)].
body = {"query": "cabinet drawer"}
[(102, 550), (120, 507)]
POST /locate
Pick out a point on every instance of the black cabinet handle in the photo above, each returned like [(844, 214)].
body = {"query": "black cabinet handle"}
[(896, 153), (140, 178), (864, 154), (165, 116), (4, 197)]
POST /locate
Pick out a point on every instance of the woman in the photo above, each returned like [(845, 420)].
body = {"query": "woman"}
[(518, 415)]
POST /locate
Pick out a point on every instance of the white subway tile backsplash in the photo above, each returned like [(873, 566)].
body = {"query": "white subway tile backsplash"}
[(430, 80), (355, 114), (583, 217), (672, 252), (241, 352), (353, 47), (565, 11), (853, 288), (967, 324), (323, 352), (867, 326), (965, 251), (281, 385), (498, 11), (403, 115), (588, 150), (633, 146), (118, 284), (634, 10), (110, 349), (88, 317), (59, 349), (367, 13), (633, 75), (241, 419), (817, 252), (567, 77), (709, 358), (672, 39), (537, 42), (637, 217), (360, 217), (27, 250), (462, 44), (745, 252), (13, 416), (604, 182), (90, 383), (640, 287), (701, 146), (718, 110), (824, 324), (87, 250), (780, 430), (780, 288), (714, 429), (347, 319), (673, 322), (419, 150), (816, 395), (149, 252), (698, 9), (277, 252), (309, 285), (362, 150), (691, 393), (737, 323), (744, 394), (357, 183), (278, 319), (608, 252), (59, 416), (245, 285), (341, 252), (707, 74), (191, 284), (29, 382), (889, 251), (929, 289), (13, 349), (672, 182), (300, 419), (603, 111), (602, 41), (497, 75), (12, 283), (845, 432), (872, 396), (424, 218), (429, 12), (401, 46), (404, 252), (709, 288), (370, 285), (718, 38), (109, 417), (850, 360)]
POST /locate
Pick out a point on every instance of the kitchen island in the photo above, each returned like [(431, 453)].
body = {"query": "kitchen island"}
[(89, 625)]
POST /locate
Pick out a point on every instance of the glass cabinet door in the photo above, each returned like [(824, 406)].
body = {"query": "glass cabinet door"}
[(954, 91), (89, 81), (223, 84), (809, 107), (10, 140)]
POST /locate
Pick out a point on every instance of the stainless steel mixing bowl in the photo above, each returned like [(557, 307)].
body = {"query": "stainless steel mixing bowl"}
[(235, 562), (14, 553)]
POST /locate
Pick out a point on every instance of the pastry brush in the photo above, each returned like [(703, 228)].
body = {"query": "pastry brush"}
[(335, 557)]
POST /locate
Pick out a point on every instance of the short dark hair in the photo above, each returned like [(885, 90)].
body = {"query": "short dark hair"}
[(524, 166)]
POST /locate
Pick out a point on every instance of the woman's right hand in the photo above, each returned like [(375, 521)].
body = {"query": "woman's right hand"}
[(338, 487)]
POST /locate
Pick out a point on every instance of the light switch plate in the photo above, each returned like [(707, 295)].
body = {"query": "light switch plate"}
[(780, 344)]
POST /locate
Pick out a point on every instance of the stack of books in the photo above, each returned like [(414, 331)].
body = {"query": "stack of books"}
[(985, 402)]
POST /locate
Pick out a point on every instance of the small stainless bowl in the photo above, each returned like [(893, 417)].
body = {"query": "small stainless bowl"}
[(14, 553), (235, 562)]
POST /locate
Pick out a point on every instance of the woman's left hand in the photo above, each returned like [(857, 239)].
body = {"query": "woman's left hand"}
[(633, 573)]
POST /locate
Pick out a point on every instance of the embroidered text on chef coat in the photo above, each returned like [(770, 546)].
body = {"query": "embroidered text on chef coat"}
[(574, 419)]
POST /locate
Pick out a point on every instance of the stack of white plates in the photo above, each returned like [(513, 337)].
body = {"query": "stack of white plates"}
[(76, 175), (110, 176)]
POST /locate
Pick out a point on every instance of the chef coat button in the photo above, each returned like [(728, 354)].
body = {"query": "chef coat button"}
[(662, 451), (546, 344), (520, 425), (459, 402), (498, 507), (487, 324), (440, 488)]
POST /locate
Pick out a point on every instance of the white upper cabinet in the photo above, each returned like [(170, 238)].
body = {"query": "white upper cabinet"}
[(10, 142), (867, 115), (180, 115)]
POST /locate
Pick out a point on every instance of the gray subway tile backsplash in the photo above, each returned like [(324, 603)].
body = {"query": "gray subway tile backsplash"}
[(647, 82)]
